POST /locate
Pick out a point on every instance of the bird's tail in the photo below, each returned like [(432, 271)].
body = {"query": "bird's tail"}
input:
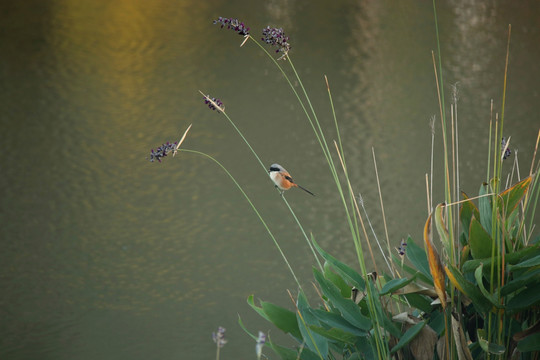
[(306, 190)]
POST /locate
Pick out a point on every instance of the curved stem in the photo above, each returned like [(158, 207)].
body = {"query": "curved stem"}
[(252, 206)]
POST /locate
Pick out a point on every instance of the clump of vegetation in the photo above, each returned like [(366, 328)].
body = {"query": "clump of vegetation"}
[(475, 297)]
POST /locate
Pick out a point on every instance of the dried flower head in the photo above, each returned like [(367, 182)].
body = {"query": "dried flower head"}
[(276, 37), (402, 247), (260, 343), (219, 337), (162, 151), (233, 24), (214, 103), (506, 150)]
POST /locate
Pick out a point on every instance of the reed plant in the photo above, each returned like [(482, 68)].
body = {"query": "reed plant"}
[(476, 295)]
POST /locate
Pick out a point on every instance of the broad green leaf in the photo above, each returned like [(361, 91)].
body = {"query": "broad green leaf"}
[(283, 352), (419, 302), (344, 270), (395, 284), (335, 334), (510, 198), (412, 271), (436, 322), (511, 258), (533, 262), (337, 321), (317, 343), (467, 288), (488, 347), (408, 336), (527, 279), (525, 299), (337, 280), (479, 240), (307, 354), (283, 319), (484, 207), (530, 343), (466, 212), (366, 348), (418, 258), (350, 311), (259, 310), (479, 281)]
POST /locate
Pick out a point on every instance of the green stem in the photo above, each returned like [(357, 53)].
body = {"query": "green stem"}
[(252, 206), (326, 155), (265, 170)]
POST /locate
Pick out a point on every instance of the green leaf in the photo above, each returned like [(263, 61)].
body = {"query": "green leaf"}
[(479, 281), (337, 321), (524, 299), (350, 311), (337, 280), (530, 343), (488, 347), (510, 198), (244, 328), (468, 288), (381, 314), (527, 279), (436, 322), (395, 284), (418, 258), (484, 207), (511, 258), (365, 349), (307, 354), (317, 343), (283, 352), (342, 269), (335, 334), (412, 271), (259, 310), (533, 262), (419, 302), (408, 336), (466, 212), (283, 319), (479, 240)]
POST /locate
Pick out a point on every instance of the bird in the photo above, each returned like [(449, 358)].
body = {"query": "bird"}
[(283, 179)]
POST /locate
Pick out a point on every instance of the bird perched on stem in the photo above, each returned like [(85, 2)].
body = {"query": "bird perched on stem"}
[(283, 179)]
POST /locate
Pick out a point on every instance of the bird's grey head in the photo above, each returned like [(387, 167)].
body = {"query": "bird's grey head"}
[(275, 167)]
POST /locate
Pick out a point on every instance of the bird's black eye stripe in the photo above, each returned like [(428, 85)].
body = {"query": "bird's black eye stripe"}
[(274, 169)]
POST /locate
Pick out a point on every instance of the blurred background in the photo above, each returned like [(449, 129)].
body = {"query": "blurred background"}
[(105, 255)]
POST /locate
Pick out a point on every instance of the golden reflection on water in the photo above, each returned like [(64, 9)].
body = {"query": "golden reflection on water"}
[(99, 244)]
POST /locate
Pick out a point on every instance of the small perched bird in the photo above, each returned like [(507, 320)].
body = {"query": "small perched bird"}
[(283, 179)]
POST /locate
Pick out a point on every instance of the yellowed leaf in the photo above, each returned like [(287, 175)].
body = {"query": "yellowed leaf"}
[(434, 261)]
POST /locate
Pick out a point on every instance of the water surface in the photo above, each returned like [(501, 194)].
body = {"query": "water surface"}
[(108, 256)]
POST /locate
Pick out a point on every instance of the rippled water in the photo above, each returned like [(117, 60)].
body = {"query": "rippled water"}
[(105, 255)]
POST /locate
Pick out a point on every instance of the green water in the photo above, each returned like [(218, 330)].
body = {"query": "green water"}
[(108, 256)]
